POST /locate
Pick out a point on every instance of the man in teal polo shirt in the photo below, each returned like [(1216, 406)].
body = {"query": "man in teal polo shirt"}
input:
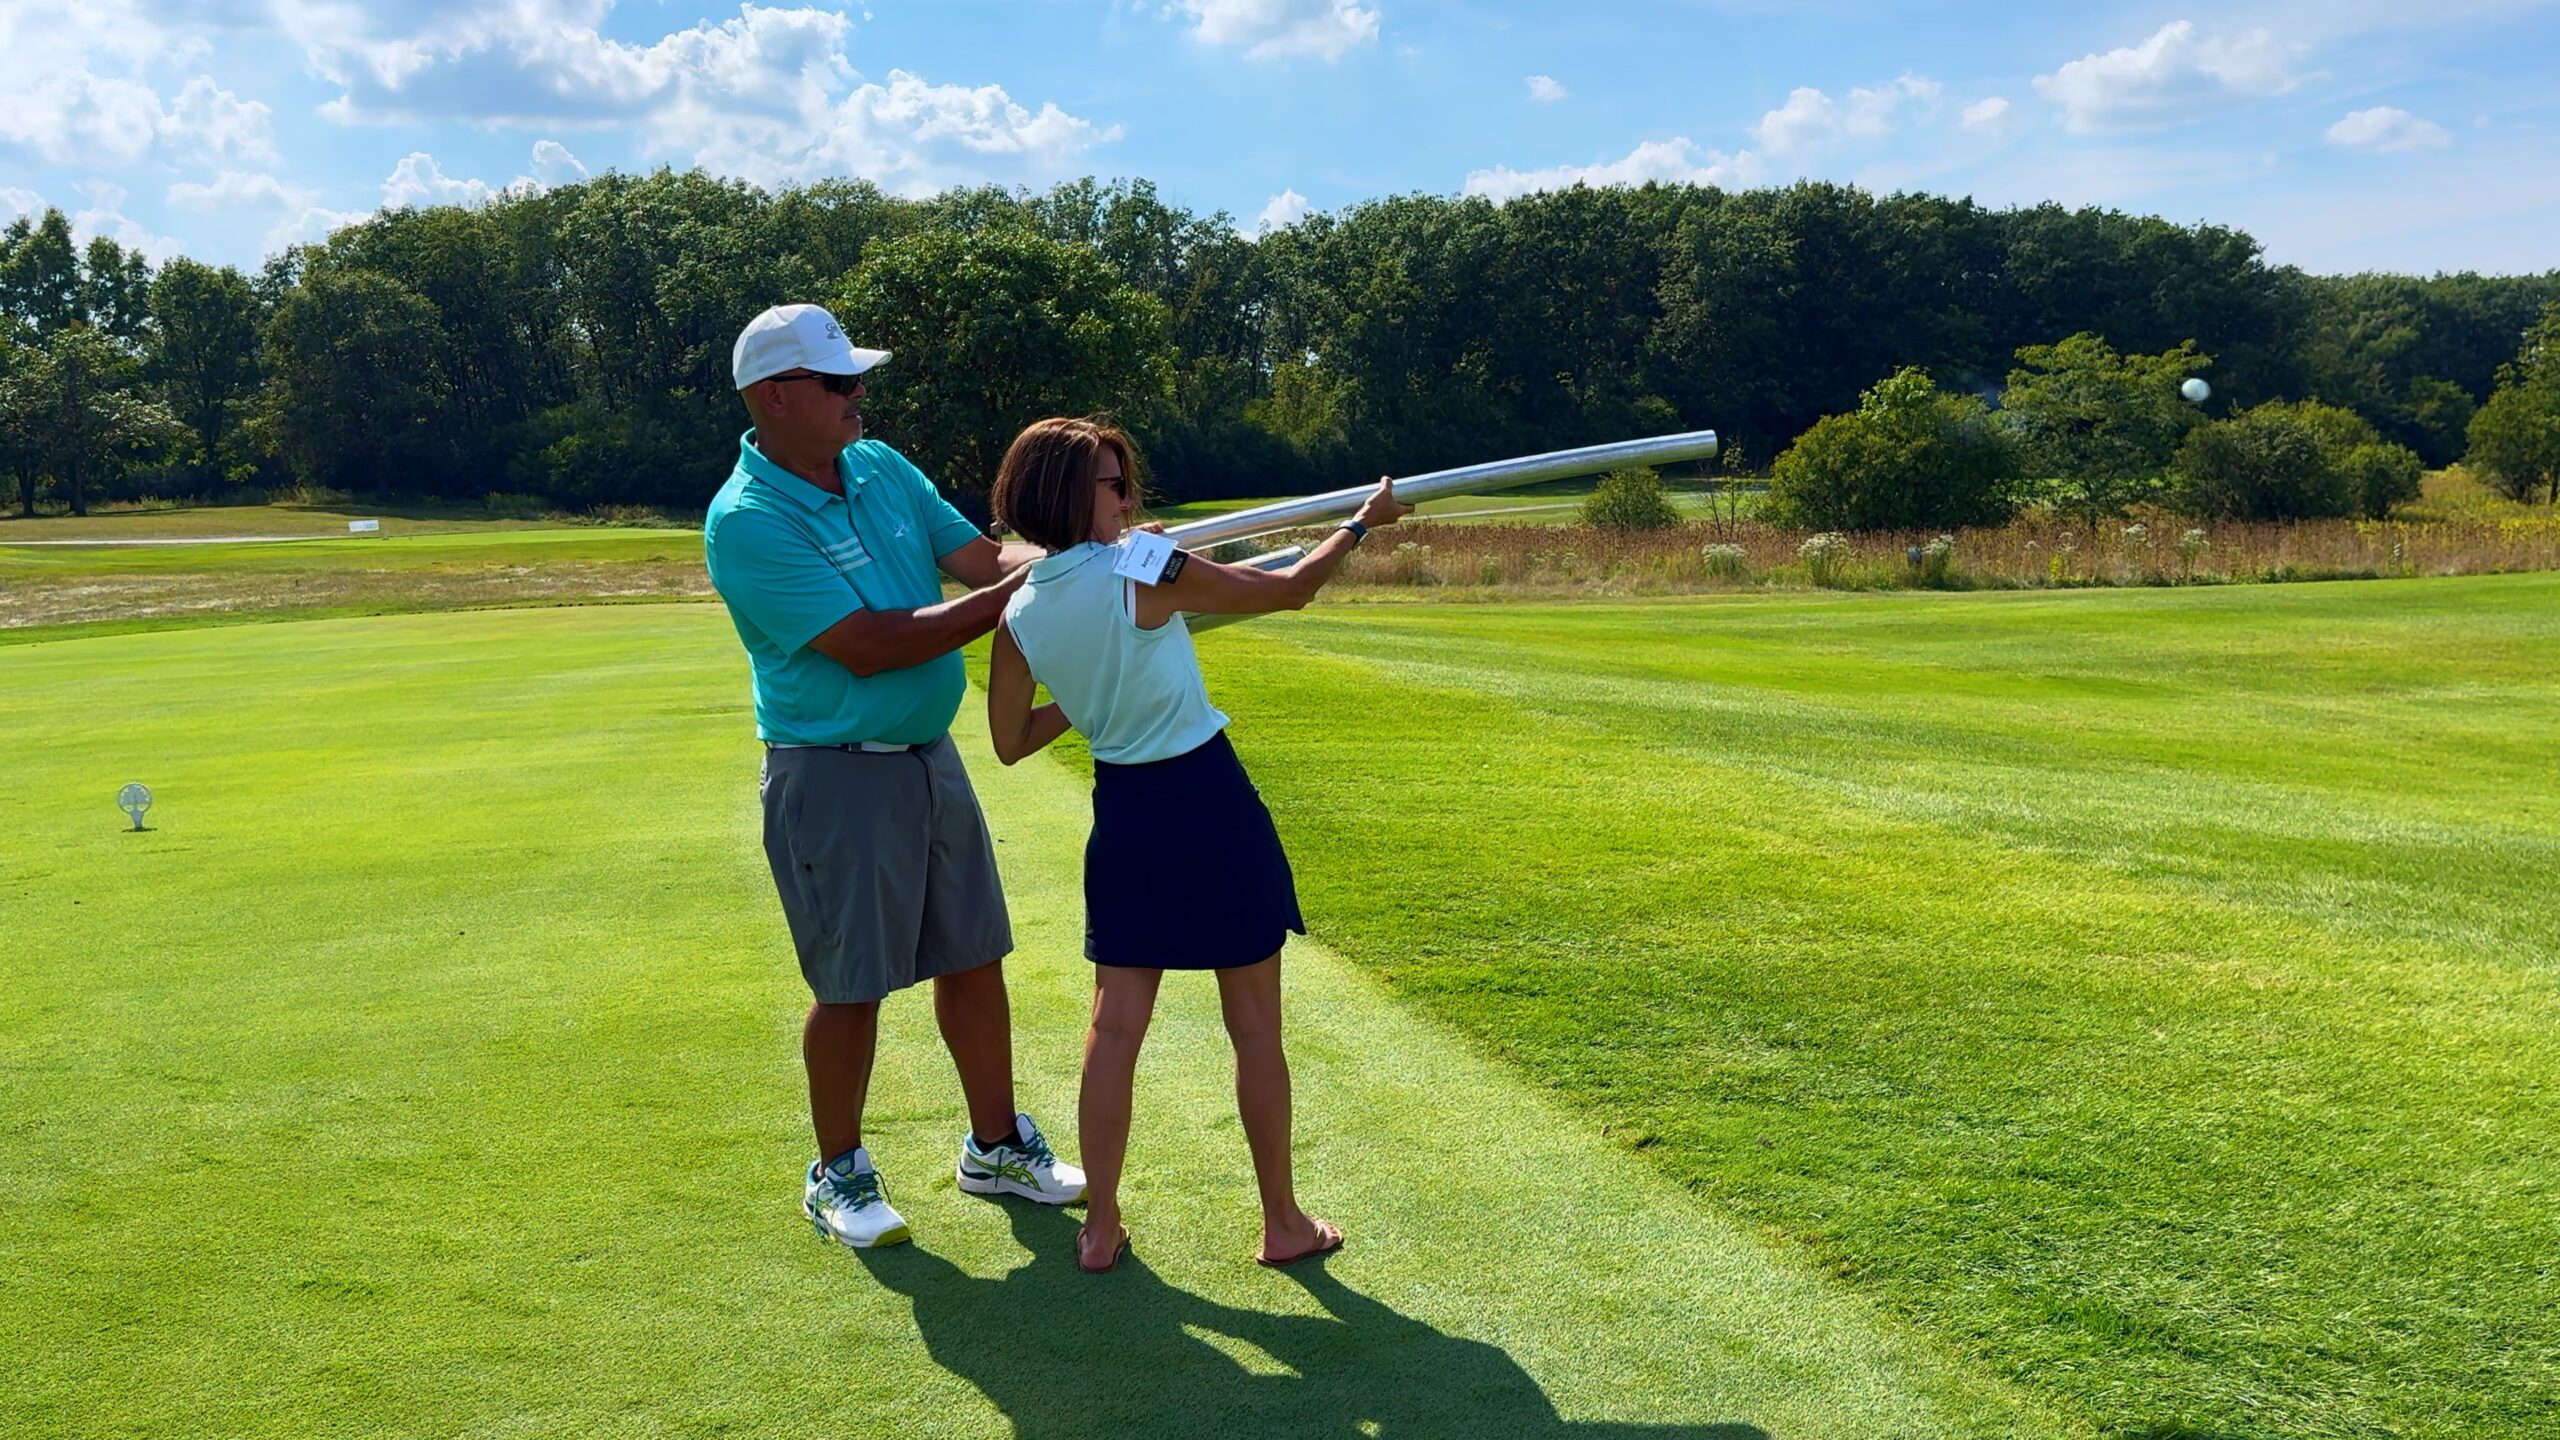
[(829, 551)]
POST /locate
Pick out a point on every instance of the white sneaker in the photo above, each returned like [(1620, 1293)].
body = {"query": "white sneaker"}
[(844, 1203), (1024, 1168)]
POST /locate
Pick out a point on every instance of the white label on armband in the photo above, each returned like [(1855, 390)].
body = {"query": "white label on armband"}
[(1142, 557)]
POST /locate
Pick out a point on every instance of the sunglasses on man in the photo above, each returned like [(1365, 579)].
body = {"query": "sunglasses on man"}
[(832, 384)]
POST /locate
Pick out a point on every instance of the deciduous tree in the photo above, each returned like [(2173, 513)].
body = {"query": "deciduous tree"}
[(203, 352), (79, 403), (2100, 426), (1910, 457), (992, 331)]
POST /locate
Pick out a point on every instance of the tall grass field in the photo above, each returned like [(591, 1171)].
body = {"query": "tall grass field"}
[(2121, 1013)]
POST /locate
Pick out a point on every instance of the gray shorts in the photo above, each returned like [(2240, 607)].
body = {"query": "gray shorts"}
[(886, 871)]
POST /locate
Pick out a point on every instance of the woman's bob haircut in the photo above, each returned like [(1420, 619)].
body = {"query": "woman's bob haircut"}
[(1044, 488)]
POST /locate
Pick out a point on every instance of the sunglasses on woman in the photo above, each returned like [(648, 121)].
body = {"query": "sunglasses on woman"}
[(832, 384)]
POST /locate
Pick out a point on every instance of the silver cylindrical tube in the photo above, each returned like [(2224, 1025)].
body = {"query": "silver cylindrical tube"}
[(1309, 510)]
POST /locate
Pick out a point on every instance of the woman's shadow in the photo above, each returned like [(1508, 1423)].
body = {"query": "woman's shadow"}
[(1063, 1353)]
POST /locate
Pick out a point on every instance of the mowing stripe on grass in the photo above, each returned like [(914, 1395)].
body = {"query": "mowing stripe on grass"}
[(430, 1068), (2152, 993)]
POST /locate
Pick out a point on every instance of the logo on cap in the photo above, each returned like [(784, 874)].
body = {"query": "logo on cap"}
[(834, 331)]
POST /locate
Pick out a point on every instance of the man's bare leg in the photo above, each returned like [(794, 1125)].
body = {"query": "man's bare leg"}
[(836, 1045), (977, 1025)]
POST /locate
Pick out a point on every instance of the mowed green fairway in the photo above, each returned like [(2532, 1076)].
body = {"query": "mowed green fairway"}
[(430, 1068), (2140, 1003), (2152, 993)]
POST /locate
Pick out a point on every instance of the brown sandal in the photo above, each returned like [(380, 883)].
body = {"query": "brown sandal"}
[(1330, 1240), (1116, 1252)]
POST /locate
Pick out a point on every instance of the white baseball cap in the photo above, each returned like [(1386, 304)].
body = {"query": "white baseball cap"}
[(797, 337)]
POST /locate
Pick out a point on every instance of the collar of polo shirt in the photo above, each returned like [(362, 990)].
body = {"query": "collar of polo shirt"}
[(762, 467)]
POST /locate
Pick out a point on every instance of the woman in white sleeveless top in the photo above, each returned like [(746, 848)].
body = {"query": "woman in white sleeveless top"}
[(1183, 870)]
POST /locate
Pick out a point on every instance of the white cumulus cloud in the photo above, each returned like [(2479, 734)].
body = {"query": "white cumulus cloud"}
[(2175, 74), (313, 225), (211, 123), (1988, 116), (1677, 161), (1545, 90), (909, 136), (1285, 209), (554, 165), (770, 95), (300, 219), (535, 62), (237, 190), (76, 88), (1812, 121), (2387, 128), (20, 202), (418, 181), (104, 215), (1275, 29)]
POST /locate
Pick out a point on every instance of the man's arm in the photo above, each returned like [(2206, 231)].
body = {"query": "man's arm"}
[(983, 562), (868, 642)]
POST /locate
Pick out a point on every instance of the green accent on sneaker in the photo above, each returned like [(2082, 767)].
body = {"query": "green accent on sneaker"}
[(1002, 1162), (854, 1192)]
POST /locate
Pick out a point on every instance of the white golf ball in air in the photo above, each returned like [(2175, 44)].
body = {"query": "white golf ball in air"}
[(2196, 391)]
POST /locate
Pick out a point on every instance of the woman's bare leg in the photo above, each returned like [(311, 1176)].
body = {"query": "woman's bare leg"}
[(1124, 1000), (1249, 997)]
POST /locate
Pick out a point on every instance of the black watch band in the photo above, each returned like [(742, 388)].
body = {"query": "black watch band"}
[(1359, 532)]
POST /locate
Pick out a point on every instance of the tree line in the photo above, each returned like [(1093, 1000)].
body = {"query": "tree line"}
[(573, 345)]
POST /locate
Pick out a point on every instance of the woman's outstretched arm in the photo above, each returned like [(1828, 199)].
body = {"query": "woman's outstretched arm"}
[(1017, 726), (1207, 588)]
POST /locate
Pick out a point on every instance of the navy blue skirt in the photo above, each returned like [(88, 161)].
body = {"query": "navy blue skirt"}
[(1184, 870)]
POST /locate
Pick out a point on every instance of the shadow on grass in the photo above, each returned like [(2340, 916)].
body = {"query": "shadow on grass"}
[(1063, 1353)]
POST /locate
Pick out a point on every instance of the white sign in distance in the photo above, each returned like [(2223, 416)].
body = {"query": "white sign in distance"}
[(1143, 556), (364, 527)]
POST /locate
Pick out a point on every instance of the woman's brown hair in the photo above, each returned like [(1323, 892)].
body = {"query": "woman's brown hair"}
[(1044, 488)]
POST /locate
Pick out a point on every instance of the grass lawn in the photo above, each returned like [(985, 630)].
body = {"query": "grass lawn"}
[(2150, 993), (429, 1068), (49, 591), (2144, 1000), (168, 522)]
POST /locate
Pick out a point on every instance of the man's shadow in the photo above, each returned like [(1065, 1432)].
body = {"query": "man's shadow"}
[(1063, 1353)]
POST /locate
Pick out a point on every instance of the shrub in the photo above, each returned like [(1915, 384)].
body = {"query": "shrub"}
[(2099, 425), (503, 506), (1938, 563), (2375, 473), (2262, 464), (1725, 562), (2515, 440), (2382, 475), (1913, 457), (1630, 499)]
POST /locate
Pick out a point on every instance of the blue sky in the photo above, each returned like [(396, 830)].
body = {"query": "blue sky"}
[(2345, 135)]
